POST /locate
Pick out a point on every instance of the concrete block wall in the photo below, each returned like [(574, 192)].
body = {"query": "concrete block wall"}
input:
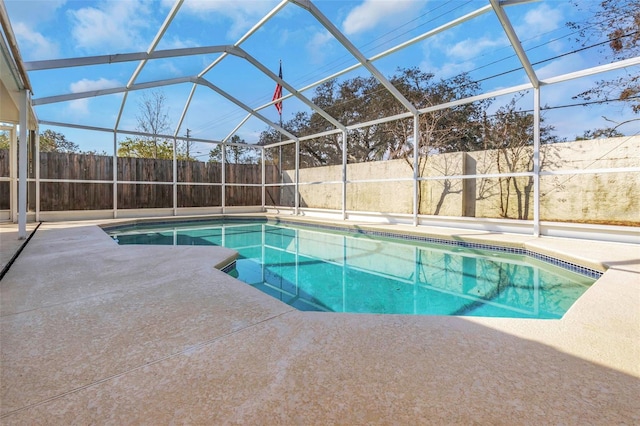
[(599, 198)]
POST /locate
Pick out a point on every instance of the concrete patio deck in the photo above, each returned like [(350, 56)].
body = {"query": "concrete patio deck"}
[(96, 333), (10, 244)]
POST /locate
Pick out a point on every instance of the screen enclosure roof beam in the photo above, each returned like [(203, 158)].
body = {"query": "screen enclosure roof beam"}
[(209, 67), (120, 57), (236, 51), (417, 39), (160, 83), (204, 82), (111, 91), (335, 32), (123, 132), (515, 42), (163, 28), (233, 50)]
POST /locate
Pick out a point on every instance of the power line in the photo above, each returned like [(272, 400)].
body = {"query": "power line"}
[(602, 101), (340, 61), (519, 68), (551, 58), (221, 119)]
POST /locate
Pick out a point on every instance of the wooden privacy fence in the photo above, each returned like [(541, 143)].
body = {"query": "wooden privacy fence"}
[(154, 187)]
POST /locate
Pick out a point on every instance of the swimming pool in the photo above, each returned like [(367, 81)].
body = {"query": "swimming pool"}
[(319, 269)]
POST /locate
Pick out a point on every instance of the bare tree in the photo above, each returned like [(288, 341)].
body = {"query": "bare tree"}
[(509, 133), (153, 118), (617, 22), (234, 154)]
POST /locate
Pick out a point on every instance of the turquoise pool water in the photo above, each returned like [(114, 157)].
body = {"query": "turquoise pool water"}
[(325, 270)]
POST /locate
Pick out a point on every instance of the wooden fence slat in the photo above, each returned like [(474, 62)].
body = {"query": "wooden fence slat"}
[(56, 196), (60, 196)]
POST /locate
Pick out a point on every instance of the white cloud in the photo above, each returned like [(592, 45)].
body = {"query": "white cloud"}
[(538, 21), (445, 55), (172, 68), (372, 13), (543, 18), (86, 85), (471, 48), (34, 45), (32, 12), (243, 14), (284, 35), (176, 43), (561, 66), (319, 46), (445, 69), (113, 25), (81, 106)]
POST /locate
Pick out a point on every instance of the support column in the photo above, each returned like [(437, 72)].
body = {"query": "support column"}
[(175, 178), (36, 161), (536, 162), (344, 175), (115, 175), (416, 166), (223, 191), (22, 167), (297, 175), (264, 174), (13, 173), (31, 174)]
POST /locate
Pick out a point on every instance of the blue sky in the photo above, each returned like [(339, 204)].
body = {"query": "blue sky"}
[(53, 29)]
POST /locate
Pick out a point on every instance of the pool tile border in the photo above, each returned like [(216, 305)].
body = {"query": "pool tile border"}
[(573, 267)]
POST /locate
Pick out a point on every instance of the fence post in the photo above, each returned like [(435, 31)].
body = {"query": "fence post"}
[(263, 179), (297, 176), (37, 167), (344, 175), (175, 178), (536, 161), (115, 174), (13, 173), (223, 194), (416, 166), (22, 167)]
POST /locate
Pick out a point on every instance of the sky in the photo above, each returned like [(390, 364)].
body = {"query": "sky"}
[(56, 29)]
